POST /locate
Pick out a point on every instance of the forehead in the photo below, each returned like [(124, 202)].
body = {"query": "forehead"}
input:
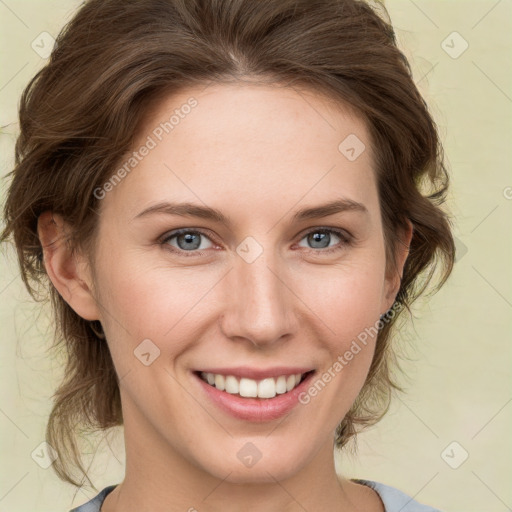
[(249, 144), (242, 110)]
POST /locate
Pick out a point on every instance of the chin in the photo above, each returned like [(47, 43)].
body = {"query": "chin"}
[(247, 465)]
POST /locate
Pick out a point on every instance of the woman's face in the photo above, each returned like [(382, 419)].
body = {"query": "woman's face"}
[(254, 286)]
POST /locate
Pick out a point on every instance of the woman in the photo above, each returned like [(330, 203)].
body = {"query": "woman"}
[(233, 202)]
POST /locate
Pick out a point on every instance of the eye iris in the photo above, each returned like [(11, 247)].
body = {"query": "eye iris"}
[(189, 238), (319, 236)]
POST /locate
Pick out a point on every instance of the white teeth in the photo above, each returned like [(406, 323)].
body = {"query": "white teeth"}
[(250, 388), (267, 388), (219, 382), (290, 382), (281, 385), (231, 385)]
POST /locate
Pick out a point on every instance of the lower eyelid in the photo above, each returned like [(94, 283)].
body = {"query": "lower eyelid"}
[(345, 238), (169, 236)]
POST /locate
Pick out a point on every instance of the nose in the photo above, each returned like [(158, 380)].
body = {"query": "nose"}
[(258, 303)]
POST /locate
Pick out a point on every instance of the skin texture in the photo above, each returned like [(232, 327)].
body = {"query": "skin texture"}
[(258, 154)]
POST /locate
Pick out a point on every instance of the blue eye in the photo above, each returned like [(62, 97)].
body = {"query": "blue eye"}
[(187, 240), (191, 241), (320, 238)]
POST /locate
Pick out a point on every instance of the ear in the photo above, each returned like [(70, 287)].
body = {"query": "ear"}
[(67, 271), (394, 280)]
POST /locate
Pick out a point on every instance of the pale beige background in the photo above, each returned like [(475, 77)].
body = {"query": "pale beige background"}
[(460, 341)]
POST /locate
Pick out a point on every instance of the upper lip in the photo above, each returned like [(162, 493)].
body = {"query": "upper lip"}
[(257, 373)]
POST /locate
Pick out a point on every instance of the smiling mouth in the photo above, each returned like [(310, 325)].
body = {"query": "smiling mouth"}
[(250, 388)]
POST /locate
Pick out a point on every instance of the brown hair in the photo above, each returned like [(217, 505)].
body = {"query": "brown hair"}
[(80, 114)]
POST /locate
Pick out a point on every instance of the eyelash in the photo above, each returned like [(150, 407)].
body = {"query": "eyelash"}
[(346, 240)]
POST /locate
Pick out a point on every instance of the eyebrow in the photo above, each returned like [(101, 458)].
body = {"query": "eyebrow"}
[(207, 213)]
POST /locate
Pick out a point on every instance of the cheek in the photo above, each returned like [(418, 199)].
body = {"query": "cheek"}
[(346, 298), (349, 306), (349, 311), (163, 304)]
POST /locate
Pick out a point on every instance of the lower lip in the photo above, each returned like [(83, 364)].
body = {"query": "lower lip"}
[(255, 409)]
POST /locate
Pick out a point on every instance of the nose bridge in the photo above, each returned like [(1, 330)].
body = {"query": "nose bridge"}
[(258, 302)]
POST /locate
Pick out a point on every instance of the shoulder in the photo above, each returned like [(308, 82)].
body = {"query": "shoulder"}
[(395, 500), (94, 505)]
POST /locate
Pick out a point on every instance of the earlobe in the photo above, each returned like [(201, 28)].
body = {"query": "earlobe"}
[(66, 270)]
